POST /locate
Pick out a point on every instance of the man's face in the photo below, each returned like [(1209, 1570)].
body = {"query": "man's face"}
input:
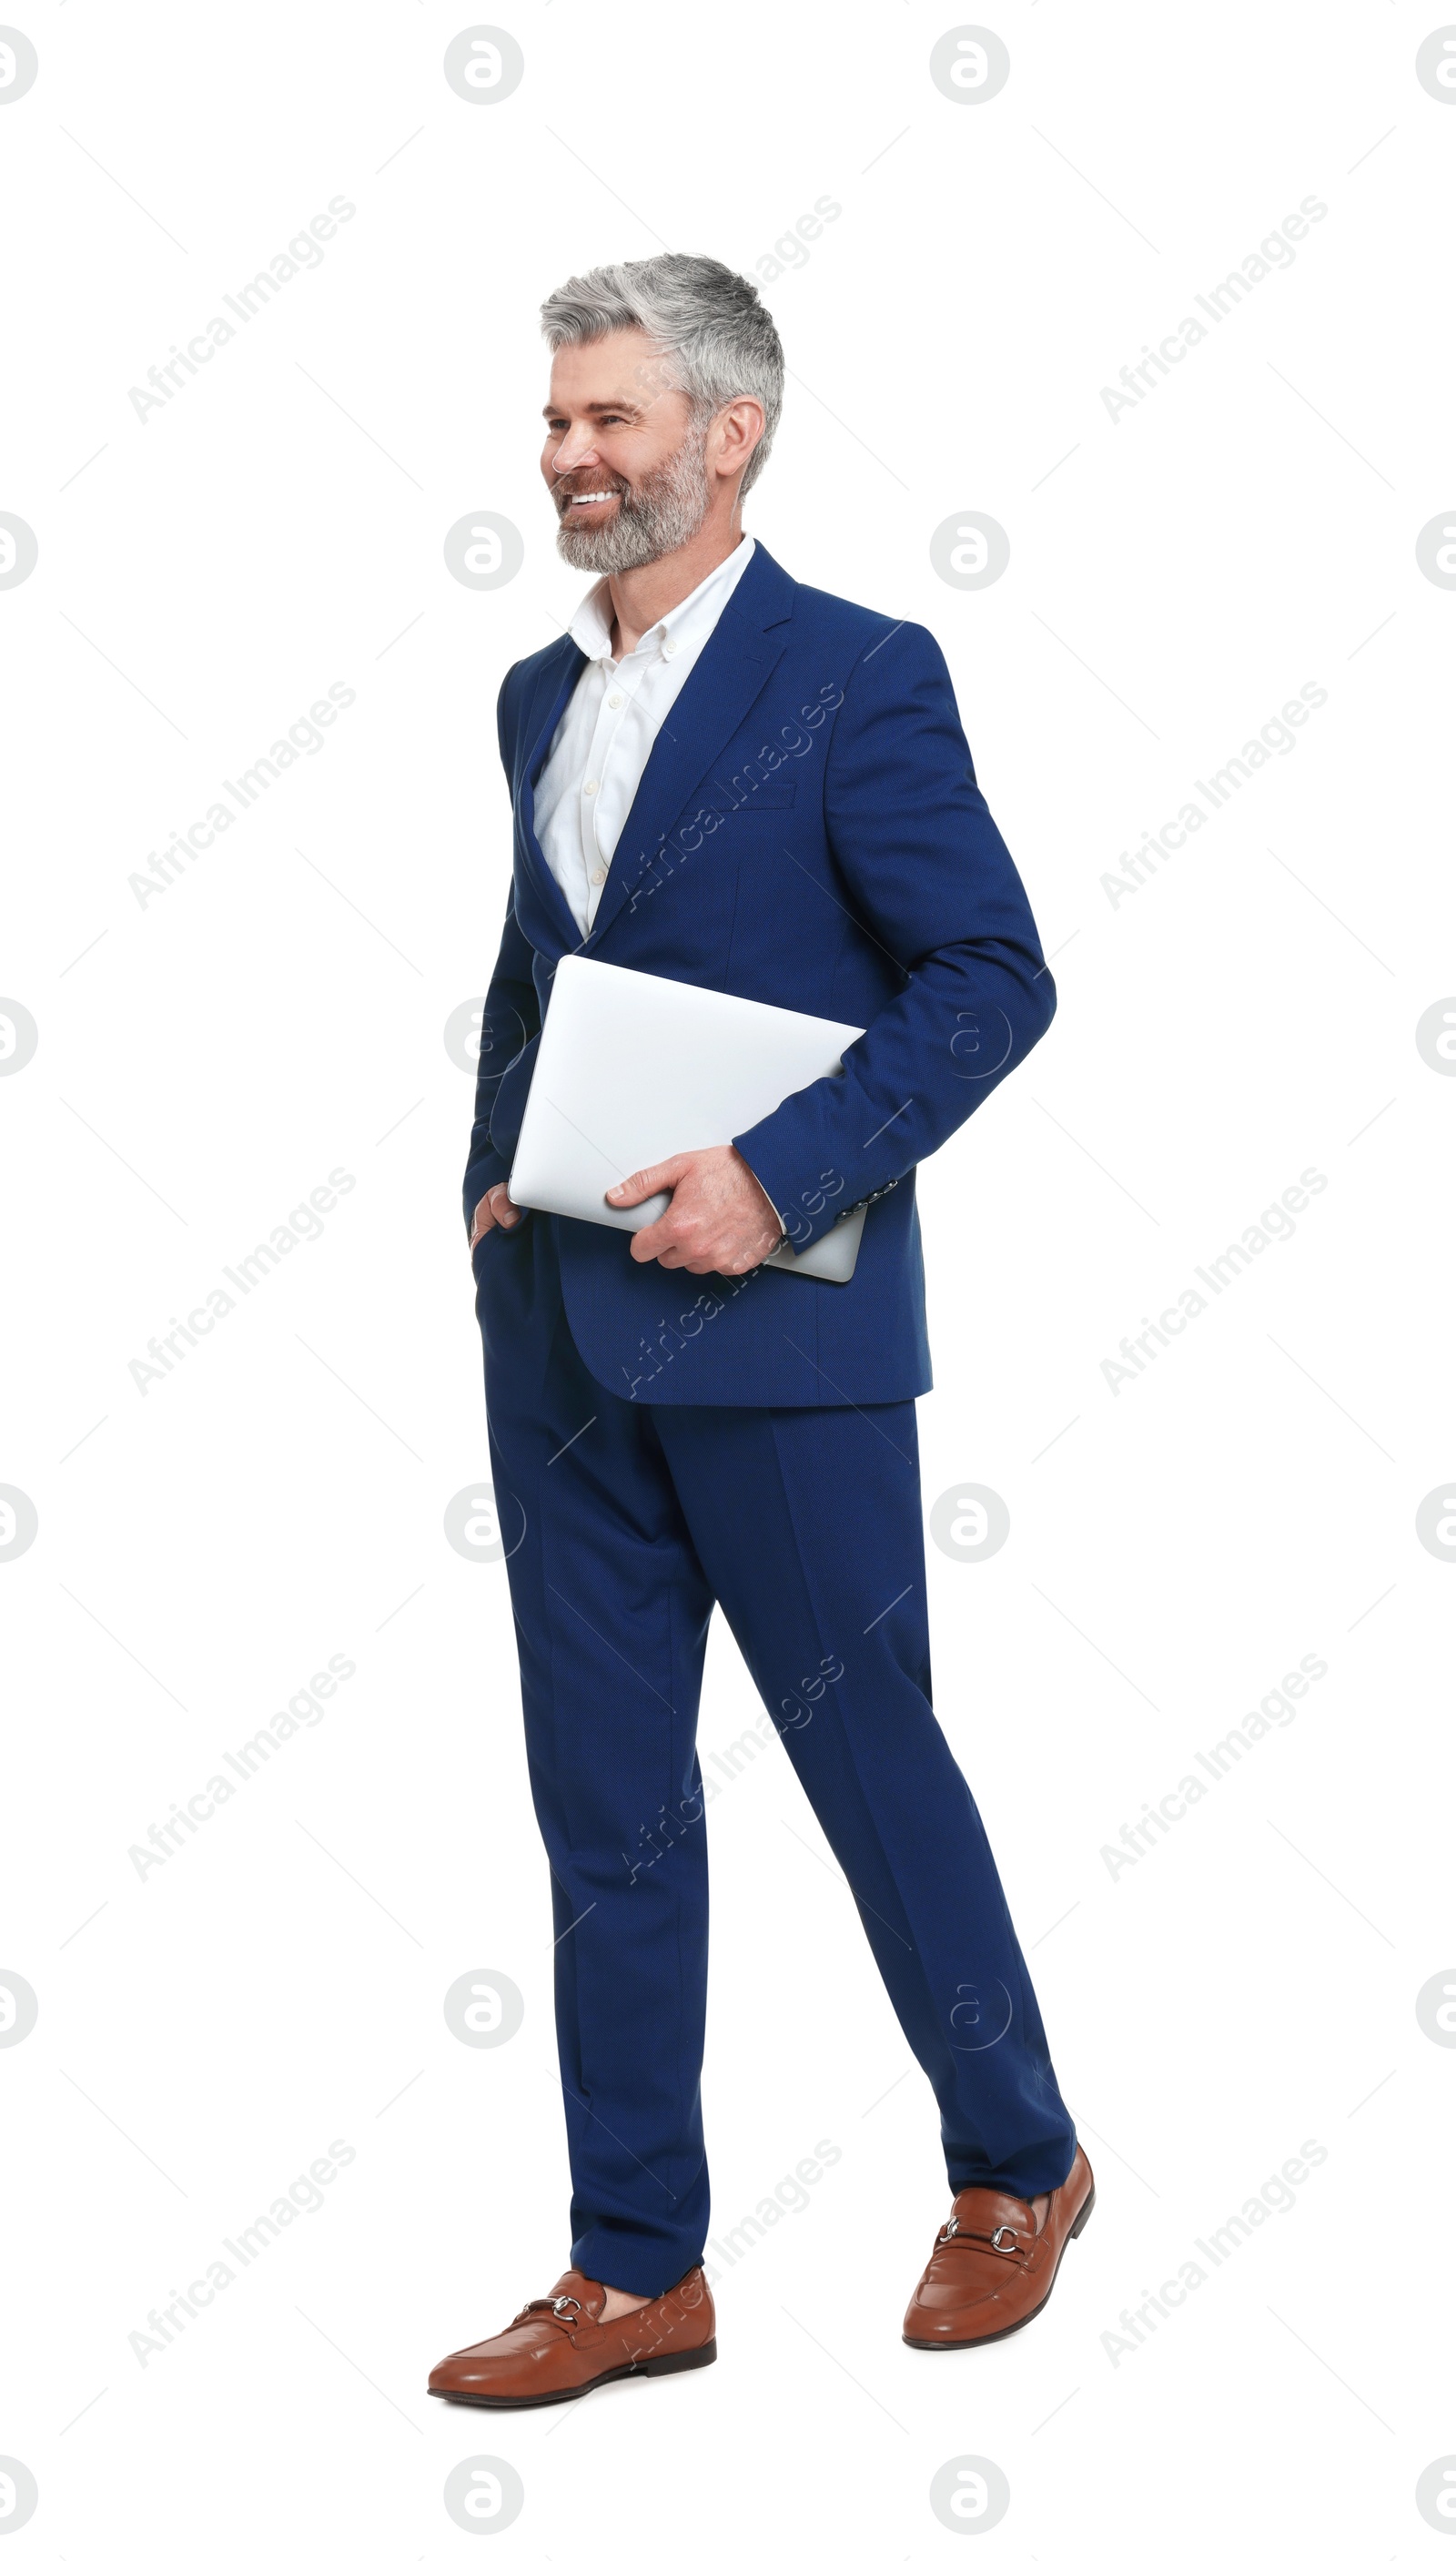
[(623, 456)]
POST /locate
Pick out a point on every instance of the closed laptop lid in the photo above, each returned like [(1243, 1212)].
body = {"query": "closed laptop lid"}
[(632, 1068)]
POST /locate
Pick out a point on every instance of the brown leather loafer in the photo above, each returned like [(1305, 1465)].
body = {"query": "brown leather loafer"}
[(991, 2271), (558, 2346)]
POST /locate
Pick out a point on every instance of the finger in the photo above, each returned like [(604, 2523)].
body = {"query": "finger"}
[(649, 1246), (660, 1243), (488, 1214), (640, 1186)]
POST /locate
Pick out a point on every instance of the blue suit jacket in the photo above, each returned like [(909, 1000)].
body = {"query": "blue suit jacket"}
[(809, 833)]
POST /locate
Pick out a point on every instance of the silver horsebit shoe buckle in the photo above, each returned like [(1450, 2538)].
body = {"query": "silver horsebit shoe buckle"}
[(565, 2306), (1004, 2249)]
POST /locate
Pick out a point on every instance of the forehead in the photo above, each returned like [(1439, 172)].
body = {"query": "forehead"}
[(624, 370)]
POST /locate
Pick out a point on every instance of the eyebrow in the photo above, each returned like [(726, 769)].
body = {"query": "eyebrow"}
[(628, 407)]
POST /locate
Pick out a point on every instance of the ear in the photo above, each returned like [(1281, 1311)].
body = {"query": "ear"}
[(737, 429)]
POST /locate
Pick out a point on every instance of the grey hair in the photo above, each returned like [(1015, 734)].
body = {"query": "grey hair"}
[(720, 341)]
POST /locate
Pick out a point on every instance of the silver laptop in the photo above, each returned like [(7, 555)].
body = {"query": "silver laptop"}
[(633, 1067)]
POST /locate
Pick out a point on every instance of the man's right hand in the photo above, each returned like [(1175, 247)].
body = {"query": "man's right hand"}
[(495, 1208)]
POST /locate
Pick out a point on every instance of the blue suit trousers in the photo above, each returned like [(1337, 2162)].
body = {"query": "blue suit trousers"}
[(624, 1523)]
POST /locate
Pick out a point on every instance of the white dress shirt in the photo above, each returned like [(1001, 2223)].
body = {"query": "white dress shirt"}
[(609, 726)]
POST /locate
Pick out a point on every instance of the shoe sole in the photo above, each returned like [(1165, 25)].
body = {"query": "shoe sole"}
[(685, 2359), (989, 2338)]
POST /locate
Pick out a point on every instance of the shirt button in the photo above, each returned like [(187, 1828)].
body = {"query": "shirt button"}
[(614, 702), (597, 877), (669, 648), (588, 788)]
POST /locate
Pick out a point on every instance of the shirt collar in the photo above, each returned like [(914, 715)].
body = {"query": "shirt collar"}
[(591, 624)]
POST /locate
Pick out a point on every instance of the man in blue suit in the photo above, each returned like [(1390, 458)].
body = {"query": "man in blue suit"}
[(722, 777)]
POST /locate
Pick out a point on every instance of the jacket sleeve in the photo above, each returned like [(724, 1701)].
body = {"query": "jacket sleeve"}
[(510, 1021), (928, 876)]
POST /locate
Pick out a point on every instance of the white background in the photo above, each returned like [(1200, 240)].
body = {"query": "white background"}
[(205, 1060)]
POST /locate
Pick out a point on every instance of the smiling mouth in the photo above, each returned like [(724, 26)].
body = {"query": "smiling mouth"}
[(590, 497)]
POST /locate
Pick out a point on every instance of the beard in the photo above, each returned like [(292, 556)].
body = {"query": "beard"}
[(656, 518)]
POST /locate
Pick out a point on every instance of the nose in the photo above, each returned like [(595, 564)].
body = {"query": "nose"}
[(575, 450)]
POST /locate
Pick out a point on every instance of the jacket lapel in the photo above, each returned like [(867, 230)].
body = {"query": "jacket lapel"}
[(550, 701), (730, 673)]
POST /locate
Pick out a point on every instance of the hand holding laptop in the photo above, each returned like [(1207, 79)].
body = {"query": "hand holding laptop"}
[(720, 1219)]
